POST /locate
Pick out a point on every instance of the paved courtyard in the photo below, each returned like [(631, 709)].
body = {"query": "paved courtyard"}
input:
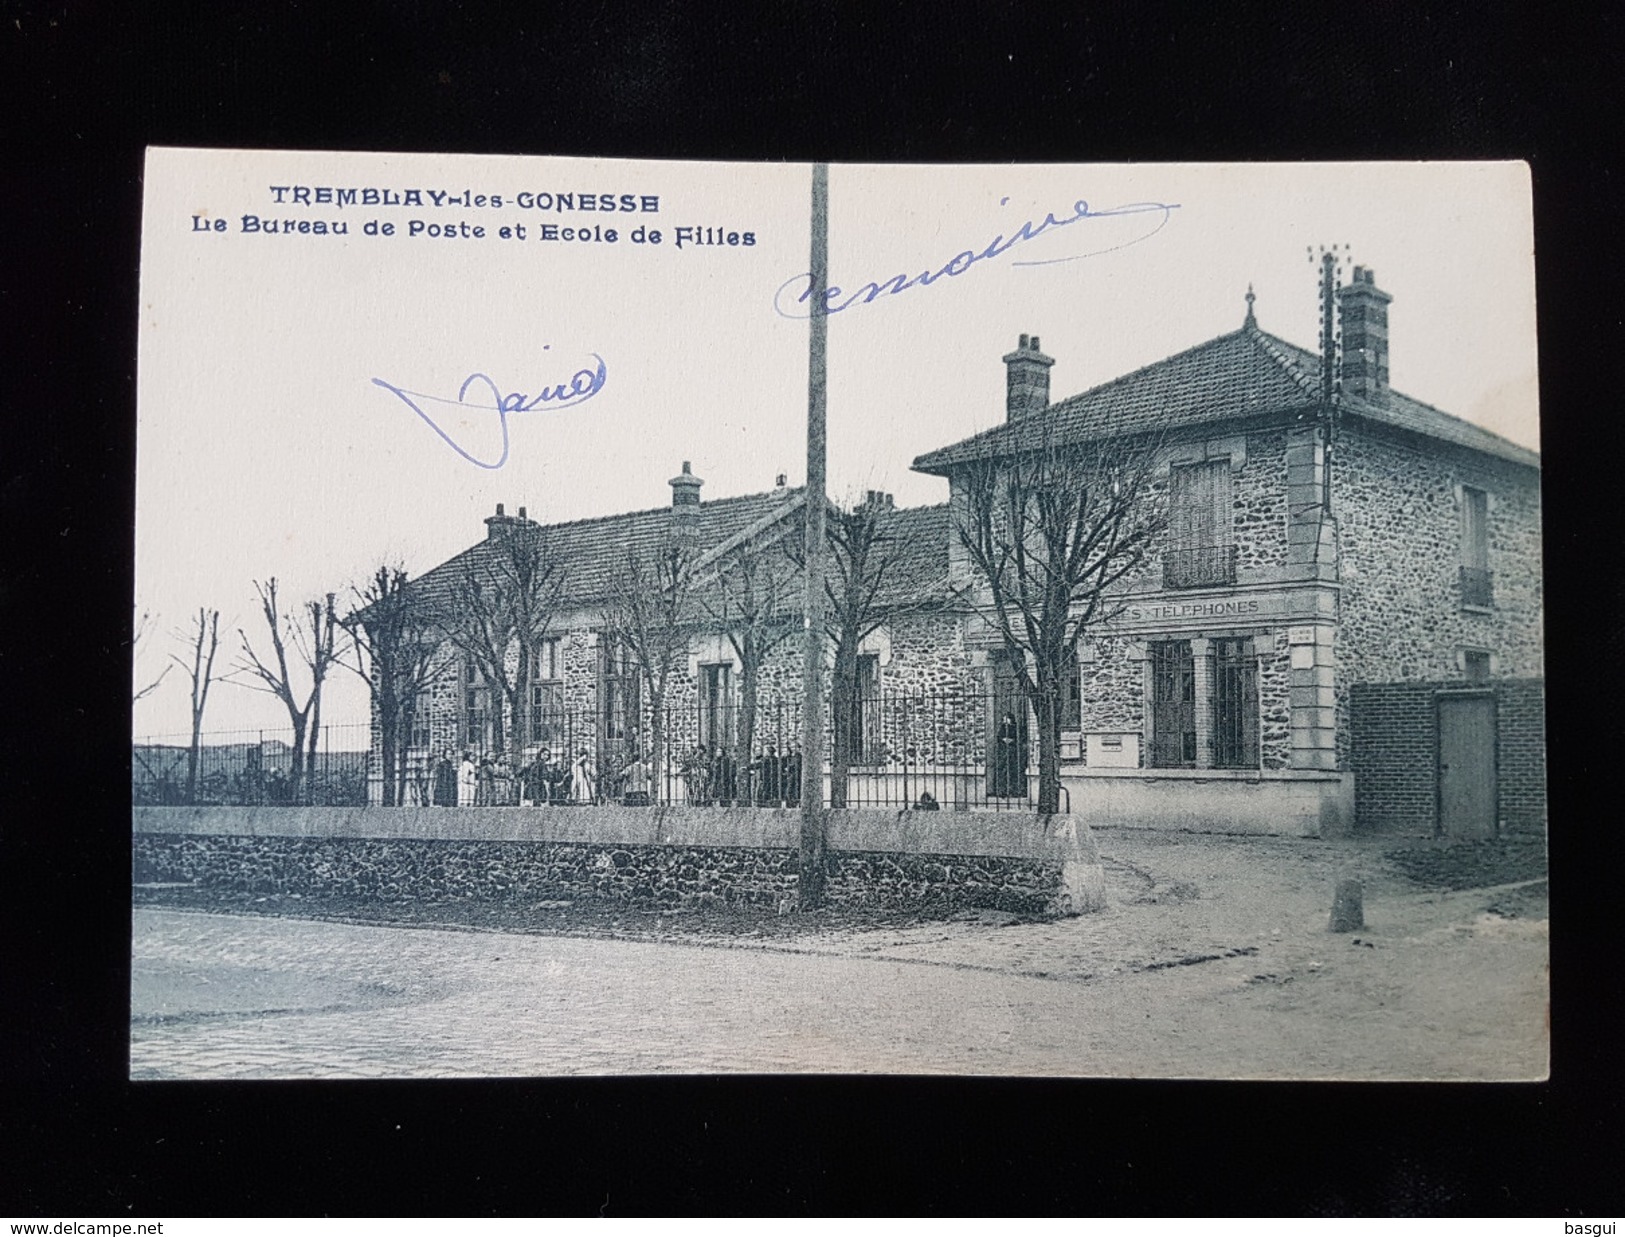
[(1213, 961)]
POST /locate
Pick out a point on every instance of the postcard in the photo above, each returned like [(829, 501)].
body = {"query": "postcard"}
[(618, 617)]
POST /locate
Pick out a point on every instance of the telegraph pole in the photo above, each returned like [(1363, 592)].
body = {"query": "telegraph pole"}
[(810, 885)]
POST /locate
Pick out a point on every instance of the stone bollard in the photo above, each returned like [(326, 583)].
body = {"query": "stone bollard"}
[(1083, 876), (1348, 912)]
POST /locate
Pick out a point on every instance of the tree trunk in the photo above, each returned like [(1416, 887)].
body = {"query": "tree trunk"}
[(516, 706), (296, 774), (842, 702), (192, 755), (315, 737), (388, 737), (747, 724), (657, 740), (498, 732), (1048, 708), (403, 746)]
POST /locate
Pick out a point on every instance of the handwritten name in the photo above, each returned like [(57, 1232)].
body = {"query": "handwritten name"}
[(792, 300), (582, 386)]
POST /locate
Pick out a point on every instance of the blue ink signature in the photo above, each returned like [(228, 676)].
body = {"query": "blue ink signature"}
[(583, 385), (836, 300)]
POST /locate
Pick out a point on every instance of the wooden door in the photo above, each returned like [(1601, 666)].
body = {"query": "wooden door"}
[(1466, 756)]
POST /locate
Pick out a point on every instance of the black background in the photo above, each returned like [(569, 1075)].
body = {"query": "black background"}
[(85, 90)]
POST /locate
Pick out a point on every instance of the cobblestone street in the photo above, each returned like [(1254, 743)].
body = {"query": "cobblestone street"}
[(1213, 961)]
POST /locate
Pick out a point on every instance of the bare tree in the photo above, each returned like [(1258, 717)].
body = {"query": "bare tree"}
[(202, 639), (311, 637), (1050, 529), (649, 613), (750, 598), (864, 550), (396, 648), (504, 603), (143, 631)]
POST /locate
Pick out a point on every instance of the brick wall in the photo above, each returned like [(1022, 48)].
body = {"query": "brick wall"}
[(1521, 754), (1393, 755)]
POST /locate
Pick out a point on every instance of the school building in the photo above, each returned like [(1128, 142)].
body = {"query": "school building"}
[(1339, 630)]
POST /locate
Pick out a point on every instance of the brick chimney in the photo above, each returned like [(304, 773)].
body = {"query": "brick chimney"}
[(1363, 313), (1026, 380), (496, 525), (878, 500), (685, 505)]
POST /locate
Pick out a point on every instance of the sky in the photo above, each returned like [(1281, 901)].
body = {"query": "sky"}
[(266, 446)]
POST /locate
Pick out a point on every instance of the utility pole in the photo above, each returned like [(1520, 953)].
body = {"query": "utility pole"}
[(810, 884)]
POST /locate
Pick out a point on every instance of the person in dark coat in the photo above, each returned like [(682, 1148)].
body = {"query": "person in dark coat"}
[(767, 777), (792, 776), (727, 777), (697, 776), (445, 782), (1011, 767)]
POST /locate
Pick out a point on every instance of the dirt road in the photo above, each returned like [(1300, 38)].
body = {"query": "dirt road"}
[(1213, 961)]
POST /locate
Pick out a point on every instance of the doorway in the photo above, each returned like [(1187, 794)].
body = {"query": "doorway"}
[(1007, 779), (1466, 764)]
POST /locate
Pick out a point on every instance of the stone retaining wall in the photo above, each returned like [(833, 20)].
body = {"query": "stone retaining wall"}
[(653, 857)]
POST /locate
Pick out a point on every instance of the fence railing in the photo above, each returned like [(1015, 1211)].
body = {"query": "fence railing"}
[(905, 750), (254, 767), (1198, 566)]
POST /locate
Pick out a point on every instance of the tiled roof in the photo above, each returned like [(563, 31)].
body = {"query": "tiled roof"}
[(919, 550), (1243, 374), (592, 550)]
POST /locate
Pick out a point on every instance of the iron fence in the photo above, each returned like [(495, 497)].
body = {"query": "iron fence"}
[(1198, 566), (929, 751), (253, 768)]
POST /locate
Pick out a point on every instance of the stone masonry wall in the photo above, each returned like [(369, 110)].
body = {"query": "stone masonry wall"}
[(1275, 701), (925, 655), (1112, 688), (1399, 553), (440, 869), (1258, 501)]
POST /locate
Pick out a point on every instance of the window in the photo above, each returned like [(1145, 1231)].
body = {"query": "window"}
[(475, 701), (716, 705), (1475, 664), (1072, 697), (546, 694), (864, 735), (618, 691), (1477, 587), (1235, 705), (1173, 705), (1201, 547), (420, 728)]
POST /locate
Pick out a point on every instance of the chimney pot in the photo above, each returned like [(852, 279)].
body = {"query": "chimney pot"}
[(1026, 380), (1363, 316), (499, 508), (521, 513), (780, 482)]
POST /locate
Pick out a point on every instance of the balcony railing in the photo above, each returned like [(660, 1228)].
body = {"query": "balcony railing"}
[(1195, 567), (1477, 586)]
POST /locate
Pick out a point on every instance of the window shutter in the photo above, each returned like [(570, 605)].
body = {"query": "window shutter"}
[(1201, 505)]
